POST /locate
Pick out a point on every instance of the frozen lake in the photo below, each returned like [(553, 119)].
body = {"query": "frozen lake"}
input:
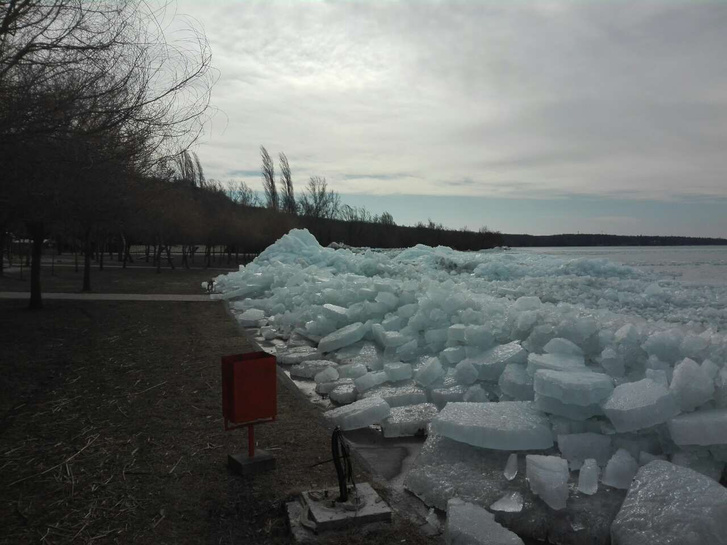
[(707, 264)]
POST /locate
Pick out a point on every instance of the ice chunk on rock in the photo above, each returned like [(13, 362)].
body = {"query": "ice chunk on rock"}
[(399, 396), (456, 333), (637, 405), (588, 477), (453, 354), (442, 396), (492, 363), (334, 312), (369, 380), (700, 428), (344, 394), (359, 414), (478, 336), (562, 346), (691, 385), (671, 505), (388, 339), (555, 406), (612, 362), (325, 388), (620, 470), (342, 337), (469, 524), (476, 394), (583, 389), (578, 447), (516, 382), (298, 354), (430, 372), (548, 477), (251, 317), (465, 373), (409, 420), (508, 425), (511, 467), (329, 374), (398, 371), (352, 370), (556, 362), (512, 502), (310, 368)]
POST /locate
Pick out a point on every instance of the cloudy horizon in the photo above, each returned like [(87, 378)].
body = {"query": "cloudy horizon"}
[(611, 116)]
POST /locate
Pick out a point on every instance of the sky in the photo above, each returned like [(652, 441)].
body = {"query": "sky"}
[(527, 117)]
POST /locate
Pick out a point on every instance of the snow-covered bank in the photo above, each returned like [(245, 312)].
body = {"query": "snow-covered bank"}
[(581, 363)]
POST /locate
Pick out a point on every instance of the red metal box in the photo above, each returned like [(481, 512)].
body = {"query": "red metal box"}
[(249, 388)]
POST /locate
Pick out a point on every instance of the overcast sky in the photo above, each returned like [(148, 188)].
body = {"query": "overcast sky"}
[(525, 116)]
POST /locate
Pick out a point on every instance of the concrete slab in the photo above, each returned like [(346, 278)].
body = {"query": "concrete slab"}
[(242, 464), (364, 506)]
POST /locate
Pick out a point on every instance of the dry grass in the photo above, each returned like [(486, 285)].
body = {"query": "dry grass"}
[(111, 431)]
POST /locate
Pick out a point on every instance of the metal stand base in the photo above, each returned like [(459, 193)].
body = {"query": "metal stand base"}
[(243, 464), (365, 506)]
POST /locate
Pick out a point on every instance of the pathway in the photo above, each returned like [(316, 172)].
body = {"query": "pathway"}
[(108, 296)]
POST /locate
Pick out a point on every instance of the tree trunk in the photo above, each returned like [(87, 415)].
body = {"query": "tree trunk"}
[(100, 255), (36, 232), (147, 253), (124, 251), (169, 257), (184, 257), (158, 257), (208, 256), (87, 249), (2, 250)]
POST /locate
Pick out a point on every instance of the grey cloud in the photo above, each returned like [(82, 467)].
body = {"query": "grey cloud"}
[(568, 98)]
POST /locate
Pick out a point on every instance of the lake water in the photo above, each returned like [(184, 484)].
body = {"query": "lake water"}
[(703, 264)]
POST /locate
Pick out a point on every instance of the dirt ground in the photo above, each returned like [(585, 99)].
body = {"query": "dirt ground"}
[(111, 429)]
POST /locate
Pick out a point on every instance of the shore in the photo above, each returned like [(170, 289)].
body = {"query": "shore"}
[(111, 425)]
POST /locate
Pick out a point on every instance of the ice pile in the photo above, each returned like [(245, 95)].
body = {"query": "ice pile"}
[(517, 350)]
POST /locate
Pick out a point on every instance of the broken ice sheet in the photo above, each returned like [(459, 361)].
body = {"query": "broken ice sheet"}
[(512, 502), (511, 467), (588, 477)]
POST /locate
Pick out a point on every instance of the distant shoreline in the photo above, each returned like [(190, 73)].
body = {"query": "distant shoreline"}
[(565, 240)]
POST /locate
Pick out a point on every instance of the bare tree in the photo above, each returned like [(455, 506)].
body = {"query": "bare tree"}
[(244, 195), (94, 84), (288, 203), (319, 201), (268, 171), (386, 219)]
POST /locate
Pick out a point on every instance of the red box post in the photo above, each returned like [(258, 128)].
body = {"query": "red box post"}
[(249, 392)]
